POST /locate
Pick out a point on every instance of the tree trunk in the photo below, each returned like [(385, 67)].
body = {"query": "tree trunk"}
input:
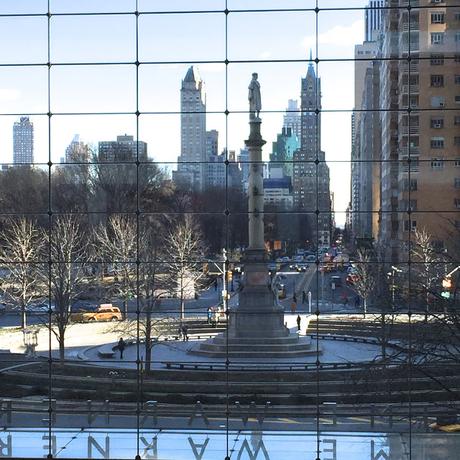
[(148, 354), (61, 347), (23, 317)]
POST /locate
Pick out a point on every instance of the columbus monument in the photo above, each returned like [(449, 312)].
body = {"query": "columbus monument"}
[(256, 324)]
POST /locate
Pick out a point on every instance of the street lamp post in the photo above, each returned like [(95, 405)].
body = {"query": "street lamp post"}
[(394, 270)]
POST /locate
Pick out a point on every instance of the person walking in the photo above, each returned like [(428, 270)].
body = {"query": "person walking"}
[(298, 322), (184, 333), (209, 315), (304, 297), (294, 297), (121, 347)]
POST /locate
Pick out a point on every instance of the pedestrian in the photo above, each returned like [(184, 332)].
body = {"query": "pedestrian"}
[(357, 301), (294, 297), (121, 346), (179, 331), (185, 332), (209, 314), (293, 306), (298, 322), (304, 297)]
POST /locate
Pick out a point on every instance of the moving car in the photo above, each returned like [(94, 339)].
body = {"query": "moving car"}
[(352, 278), (105, 312), (281, 291), (337, 280)]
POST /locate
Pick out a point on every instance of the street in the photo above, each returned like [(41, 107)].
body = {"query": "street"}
[(324, 298)]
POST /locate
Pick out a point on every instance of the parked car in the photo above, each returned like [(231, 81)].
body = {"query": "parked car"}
[(105, 312), (40, 307)]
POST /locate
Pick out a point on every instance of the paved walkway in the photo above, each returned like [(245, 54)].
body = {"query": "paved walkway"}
[(83, 342)]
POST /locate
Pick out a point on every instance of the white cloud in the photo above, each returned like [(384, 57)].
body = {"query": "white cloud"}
[(8, 94), (337, 36)]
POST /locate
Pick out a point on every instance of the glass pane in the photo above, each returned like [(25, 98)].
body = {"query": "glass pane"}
[(107, 38)]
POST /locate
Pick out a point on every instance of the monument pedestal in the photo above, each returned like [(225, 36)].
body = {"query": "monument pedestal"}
[(256, 325)]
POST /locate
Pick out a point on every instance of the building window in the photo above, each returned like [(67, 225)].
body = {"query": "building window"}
[(437, 101), (457, 120), (437, 123), (437, 81), (437, 38), (437, 143), (457, 79), (457, 163), (437, 163), (413, 185), (409, 205), (457, 141), (410, 225), (457, 37), (456, 58), (437, 59), (457, 182), (457, 203), (437, 18), (457, 99)]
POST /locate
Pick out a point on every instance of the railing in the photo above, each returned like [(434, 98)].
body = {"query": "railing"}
[(411, 129)]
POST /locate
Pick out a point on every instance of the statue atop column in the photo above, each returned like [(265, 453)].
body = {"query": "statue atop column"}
[(255, 104)]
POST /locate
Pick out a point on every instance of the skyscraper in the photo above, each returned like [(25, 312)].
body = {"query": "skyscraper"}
[(191, 168), (420, 140), (292, 118), (311, 184), (77, 151), (373, 19), (124, 149), (283, 153), (23, 141)]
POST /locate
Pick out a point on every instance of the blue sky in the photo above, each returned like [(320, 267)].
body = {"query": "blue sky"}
[(169, 38)]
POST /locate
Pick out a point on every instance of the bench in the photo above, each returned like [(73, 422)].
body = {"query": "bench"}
[(108, 350)]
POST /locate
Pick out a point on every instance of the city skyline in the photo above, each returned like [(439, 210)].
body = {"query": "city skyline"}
[(83, 88)]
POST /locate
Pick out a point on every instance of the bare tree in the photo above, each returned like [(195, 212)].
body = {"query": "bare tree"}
[(366, 277), (67, 248), (117, 243), (21, 257), (426, 267), (151, 287), (183, 258)]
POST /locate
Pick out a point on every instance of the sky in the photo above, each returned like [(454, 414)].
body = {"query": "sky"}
[(165, 42)]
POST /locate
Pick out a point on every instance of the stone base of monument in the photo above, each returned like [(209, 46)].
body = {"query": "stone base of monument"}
[(256, 327), (223, 346)]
